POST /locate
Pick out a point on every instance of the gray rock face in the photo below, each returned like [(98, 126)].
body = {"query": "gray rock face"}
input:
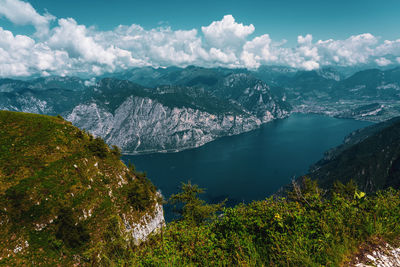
[(148, 224), (200, 106), (255, 96), (145, 125)]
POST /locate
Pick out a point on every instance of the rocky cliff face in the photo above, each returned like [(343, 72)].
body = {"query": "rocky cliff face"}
[(145, 125), (254, 95), (197, 107), (148, 224)]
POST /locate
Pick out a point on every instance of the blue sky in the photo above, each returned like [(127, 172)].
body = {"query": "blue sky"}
[(76, 37), (282, 19)]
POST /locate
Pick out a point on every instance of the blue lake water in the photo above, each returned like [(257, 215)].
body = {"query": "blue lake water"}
[(249, 166)]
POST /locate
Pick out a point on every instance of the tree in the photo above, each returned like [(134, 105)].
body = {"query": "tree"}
[(193, 209)]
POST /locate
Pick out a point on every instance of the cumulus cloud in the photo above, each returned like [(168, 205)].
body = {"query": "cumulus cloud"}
[(69, 48), (227, 33), (383, 61), (22, 13)]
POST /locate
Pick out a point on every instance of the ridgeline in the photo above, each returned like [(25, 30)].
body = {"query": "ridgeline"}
[(65, 196)]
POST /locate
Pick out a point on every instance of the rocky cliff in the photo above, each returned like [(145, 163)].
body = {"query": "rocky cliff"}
[(140, 119), (145, 125)]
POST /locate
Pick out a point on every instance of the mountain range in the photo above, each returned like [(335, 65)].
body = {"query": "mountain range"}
[(171, 109)]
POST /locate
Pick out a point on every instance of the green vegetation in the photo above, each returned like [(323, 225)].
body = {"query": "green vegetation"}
[(194, 210), (310, 227), (66, 197), (64, 194), (371, 158), (116, 91)]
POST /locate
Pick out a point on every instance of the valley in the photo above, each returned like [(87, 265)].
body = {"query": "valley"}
[(148, 110)]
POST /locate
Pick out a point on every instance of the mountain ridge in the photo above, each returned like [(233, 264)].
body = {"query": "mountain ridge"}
[(66, 196)]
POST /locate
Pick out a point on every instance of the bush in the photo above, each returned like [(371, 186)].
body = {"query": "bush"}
[(311, 228), (194, 210), (98, 147), (72, 233), (116, 151), (141, 194)]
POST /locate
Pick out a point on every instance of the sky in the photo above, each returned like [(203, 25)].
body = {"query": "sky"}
[(92, 37)]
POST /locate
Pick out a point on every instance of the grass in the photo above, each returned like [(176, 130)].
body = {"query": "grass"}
[(59, 186), (312, 228), (65, 194)]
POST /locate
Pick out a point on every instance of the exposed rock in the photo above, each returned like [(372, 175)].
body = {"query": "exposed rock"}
[(144, 125)]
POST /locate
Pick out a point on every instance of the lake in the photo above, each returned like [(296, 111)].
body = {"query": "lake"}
[(249, 166)]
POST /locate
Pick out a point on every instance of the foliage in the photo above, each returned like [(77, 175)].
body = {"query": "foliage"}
[(98, 147), (116, 151), (73, 234), (194, 210), (311, 227), (140, 193), (64, 194), (52, 175)]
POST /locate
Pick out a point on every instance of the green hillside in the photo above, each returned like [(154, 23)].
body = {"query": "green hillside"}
[(310, 227), (64, 195), (66, 199), (371, 157)]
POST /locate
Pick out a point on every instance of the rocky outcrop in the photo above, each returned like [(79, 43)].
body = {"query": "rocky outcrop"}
[(145, 125), (148, 224), (385, 256), (142, 120)]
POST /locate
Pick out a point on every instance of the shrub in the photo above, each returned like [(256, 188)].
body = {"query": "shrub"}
[(72, 233), (194, 210), (98, 147), (116, 151), (310, 228), (141, 193)]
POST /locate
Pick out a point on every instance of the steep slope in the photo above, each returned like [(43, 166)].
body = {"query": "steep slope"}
[(167, 118), (371, 157), (49, 101), (65, 196), (193, 107), (238, 85)]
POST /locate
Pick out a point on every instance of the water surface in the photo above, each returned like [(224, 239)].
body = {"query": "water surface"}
[(249, 166)]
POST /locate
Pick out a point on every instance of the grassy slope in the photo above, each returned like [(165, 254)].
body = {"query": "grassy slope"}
[(315, 228), (39, 181), (62, 192)]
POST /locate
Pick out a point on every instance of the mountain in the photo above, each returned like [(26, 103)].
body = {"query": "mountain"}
[(8, 85), (370, 156), (235, 85), (370, 94), (371, 83), (165, 119), (43, 83), (170, 109), (46, 101), (196, 106), (57, 82), (66, 197)]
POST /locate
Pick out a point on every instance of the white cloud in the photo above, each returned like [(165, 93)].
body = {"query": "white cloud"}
[(69, 48), (227, 33), (354, 50), (22, 13), (21, 56), (383, 61)]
